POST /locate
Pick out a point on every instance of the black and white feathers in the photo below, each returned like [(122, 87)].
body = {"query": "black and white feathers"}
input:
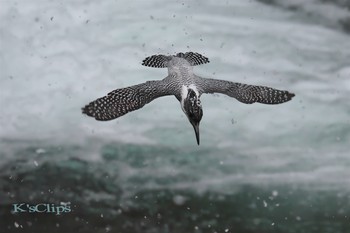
[(161, 61), (180, 77)]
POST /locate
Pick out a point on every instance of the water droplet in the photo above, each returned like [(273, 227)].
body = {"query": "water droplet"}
[(179, 200), (275, 193), (265, 203), (40, 151)]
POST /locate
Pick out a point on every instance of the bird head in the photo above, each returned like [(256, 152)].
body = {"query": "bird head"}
[(193, 109)]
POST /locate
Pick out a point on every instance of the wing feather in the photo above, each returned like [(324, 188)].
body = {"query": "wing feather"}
[(124, 100), (245, 93)]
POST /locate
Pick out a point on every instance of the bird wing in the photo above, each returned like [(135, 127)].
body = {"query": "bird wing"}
[(245, 93), (121, 101)]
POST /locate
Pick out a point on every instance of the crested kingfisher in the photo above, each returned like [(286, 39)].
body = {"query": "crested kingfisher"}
[(184, 85)]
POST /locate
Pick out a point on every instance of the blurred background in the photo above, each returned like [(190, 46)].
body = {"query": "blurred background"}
[(259, 168)]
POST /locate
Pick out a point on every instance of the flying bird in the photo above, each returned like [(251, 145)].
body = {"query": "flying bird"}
[(184, 85)]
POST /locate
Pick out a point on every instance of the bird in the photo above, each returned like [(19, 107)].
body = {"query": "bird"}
[(182, 83)]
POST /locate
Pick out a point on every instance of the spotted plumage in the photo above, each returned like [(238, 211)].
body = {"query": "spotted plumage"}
[(193, 58), (121, 101), (162, 61), (245, 93), (184, 85), (156, 61)]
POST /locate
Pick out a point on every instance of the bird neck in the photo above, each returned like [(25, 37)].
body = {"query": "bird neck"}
[(188, 93)]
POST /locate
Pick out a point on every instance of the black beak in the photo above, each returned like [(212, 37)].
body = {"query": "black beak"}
[(196, 130)]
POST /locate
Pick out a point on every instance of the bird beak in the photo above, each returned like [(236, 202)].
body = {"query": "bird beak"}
[(196, 130)]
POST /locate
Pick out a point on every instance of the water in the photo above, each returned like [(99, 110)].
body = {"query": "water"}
[(259, 168)]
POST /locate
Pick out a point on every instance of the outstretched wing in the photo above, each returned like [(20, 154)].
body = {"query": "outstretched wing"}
[(121, 101), (245, 93)]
